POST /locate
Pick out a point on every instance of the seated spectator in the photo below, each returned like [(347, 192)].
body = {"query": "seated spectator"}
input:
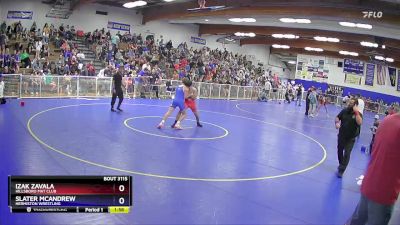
[(7, 58), (90, 68), (33, 28), (3, 41), (15, 61)]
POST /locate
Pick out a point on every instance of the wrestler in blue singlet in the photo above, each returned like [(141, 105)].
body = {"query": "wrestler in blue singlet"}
[(179, 99)]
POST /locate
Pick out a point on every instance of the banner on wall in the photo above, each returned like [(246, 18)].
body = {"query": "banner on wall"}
[(119, 26), (353, 66), (370, 74), (392, 76), (352, 79), (398, 80), (381, 74), (312, 68), (24, 15), (198, 40)]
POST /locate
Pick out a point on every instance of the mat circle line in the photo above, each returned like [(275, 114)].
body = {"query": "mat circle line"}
[(176, 177), (226, 132)]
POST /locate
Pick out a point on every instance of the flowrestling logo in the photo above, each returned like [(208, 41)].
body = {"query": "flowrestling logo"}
[(373, 14)]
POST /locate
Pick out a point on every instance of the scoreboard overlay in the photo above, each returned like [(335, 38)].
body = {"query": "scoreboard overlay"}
[(70, 194)]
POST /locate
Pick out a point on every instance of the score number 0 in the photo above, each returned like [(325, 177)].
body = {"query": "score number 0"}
[(121, 200)]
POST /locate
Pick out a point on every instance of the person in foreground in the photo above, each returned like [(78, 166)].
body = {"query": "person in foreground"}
[(348, 121), (381, 185), (182, 92)]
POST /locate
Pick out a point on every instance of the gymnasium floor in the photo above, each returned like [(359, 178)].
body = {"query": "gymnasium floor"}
[(251, 163)]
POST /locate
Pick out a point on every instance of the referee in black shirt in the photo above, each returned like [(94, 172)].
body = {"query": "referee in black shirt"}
[(348, 121), (117, 89)]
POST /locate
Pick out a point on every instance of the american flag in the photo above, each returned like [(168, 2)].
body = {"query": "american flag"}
[(381, 74)]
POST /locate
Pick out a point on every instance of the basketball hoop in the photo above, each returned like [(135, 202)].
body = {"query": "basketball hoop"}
[(203, 7), (202, 4)]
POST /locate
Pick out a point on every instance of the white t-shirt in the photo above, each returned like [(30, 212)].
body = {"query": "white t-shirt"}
[(345, 99), (101, 73), (1, 89), (268, 86), (361, 105), (80, 55)]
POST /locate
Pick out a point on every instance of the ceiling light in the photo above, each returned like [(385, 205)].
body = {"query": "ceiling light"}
[(277, 35), (314, 49), (365, 26), (292, 62), (242, 20), (303, 21), (333, 40), (318, 38), (287, 20), (249, 20), (291, 20), (389, 60), (206, 20), (134, 4), (235, 20), (348, 53), (347, 24), (358, 25), (369, 44), (280, 46), (378, 57), (288, 36), (169, 0), (240, 34), (383, 46)]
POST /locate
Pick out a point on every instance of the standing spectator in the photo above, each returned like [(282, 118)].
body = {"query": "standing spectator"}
[(2, 99), (299, 93), (275, 87), (46, 33), (268, 89), (348, 121), (381, 185), (373, 130), (312, 102), (361, 104), (38, 48), (1, 59)]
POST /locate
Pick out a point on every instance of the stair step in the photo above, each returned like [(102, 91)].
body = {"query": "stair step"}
[(87, 52)]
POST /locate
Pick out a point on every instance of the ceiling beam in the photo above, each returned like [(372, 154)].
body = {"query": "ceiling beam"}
[(340, 9), (327, 46), (325, 53), (303, 33)]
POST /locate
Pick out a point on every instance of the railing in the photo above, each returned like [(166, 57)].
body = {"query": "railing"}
[(49, 86)]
